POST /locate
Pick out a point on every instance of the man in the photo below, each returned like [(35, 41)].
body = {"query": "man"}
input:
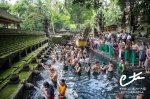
[(62, 89), (48, 90), (53, 76), (96, 69), (110, 69)]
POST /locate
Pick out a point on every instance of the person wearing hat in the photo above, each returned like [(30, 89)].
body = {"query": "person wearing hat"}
[(96, 69)]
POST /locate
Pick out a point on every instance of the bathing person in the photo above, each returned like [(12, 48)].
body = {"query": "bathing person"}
[(53, 60), (78, 70), (50, 67), (110, 69), (66, 65), (119, 96), (48, 90), (103, 67), (96, 69), (53, 76), (73, 62), (87, 59), (87, 70), (62, 89), (121, 67)]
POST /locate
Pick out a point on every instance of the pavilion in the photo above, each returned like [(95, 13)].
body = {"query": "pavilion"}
[(6, 18)]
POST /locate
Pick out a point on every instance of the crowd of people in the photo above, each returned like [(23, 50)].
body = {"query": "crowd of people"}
[(123, 46), (78, 60)]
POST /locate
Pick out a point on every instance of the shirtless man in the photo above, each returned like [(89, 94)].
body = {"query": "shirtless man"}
[(73, 62), (110, 69), (96, 69), (53, 76)]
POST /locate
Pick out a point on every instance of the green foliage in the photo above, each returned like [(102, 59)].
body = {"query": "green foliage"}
[(111, 12)]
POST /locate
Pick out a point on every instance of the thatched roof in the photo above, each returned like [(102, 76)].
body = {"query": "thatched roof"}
[(6, 17), (63, 30)]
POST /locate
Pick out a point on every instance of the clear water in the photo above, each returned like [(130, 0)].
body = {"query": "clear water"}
[(85, 88)]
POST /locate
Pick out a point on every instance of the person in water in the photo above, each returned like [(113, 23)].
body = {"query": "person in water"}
[(103, 67), (78, 70), (48, 90), (119, 96), (50, 67), (87, 70), (110, 69), (66, 65), (96, 69), (62, 89), (53, 77), (121, 67)]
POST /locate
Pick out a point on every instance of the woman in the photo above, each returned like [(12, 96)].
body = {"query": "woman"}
[(127, 53), (62, 89), (142, 54), (121, 67), (78, 69), (48, 90), (134, 49), (111, 50), (88, 69), (147, 61)]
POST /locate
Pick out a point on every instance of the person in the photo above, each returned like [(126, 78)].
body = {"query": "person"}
[(111, 50), (65, 65), (48, 90), (127, 52), (78, 70), (142, 54), (129, 38), (110, 69), (62, 89), (103, 67), (121, 67), (140, 96), (87, 70), (96, 69), (53, 76), (121, 47), (87, 59), (119, 96), (50, 67), (147, 61), (134, 49)]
